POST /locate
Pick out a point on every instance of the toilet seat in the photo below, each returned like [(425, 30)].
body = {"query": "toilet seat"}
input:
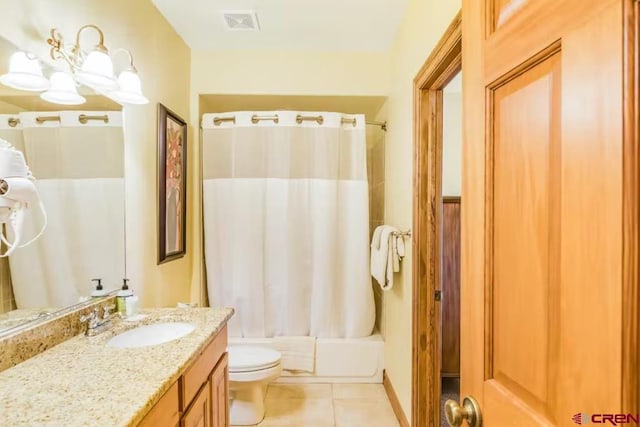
[(251, 358), (248, 378)]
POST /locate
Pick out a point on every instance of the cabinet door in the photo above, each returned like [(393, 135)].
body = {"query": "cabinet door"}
[(220, 394), (199, 414), (166, 413)]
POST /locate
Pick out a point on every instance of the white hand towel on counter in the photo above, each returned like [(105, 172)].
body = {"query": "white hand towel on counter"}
[(383, 252), (298, 353)]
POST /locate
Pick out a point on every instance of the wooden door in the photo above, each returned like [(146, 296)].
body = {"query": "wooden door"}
[(549, 220), (220, 394), (199, 413), (450, 280)]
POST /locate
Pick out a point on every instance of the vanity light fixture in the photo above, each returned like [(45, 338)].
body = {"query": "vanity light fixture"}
[(93, 68), (25, 73), (63, 90), (129, 86)]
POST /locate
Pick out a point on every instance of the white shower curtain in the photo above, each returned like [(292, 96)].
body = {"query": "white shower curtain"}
[(286, 224), (80, 178)]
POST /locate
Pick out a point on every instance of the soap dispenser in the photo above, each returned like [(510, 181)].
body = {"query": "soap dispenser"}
[(98, 291), (121, 298)]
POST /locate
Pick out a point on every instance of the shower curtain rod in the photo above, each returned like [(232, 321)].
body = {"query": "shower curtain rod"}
[(82, 118), (41, 119), (383, 125), (299, 119)]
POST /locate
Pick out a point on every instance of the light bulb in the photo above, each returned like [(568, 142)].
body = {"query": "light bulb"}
[(130, 89), (63, 90), (96, 71), (25, 73)]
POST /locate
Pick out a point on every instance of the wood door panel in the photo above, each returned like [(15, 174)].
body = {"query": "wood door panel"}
[(523, 222), (450, 278), (199, 413), (521, 37), (499, 409), (220, 393), (543, 268), (591, 211)]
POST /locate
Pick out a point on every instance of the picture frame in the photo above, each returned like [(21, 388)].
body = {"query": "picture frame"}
[(172, 185)]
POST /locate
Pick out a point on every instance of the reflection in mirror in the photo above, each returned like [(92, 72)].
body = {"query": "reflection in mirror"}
[(77, 158)]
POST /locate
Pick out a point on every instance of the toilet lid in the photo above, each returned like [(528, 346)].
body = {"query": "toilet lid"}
[(250, 358)]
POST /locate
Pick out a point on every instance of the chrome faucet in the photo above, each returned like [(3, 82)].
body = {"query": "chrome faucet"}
[(95, 324)]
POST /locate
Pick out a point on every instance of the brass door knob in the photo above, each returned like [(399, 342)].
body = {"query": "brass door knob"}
[(470, 411)]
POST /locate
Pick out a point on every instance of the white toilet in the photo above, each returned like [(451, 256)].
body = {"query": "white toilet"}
[(251, 369)]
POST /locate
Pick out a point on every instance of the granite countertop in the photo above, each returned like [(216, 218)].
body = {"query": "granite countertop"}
[(82, 382), (21, 316)]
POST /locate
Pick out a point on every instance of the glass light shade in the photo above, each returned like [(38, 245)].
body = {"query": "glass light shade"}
[(63, 90), (130, 91), (97, 71), (25, 73)]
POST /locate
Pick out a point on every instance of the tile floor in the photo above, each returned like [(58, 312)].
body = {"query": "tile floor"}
[(328, 405)]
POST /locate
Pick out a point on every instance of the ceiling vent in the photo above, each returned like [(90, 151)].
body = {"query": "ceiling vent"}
[(240, 20)]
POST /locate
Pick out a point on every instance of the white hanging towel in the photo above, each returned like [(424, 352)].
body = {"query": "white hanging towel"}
[(298, 353), (386, 254), (398, 252)]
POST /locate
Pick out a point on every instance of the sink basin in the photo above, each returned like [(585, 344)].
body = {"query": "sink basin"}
[(154, 334)]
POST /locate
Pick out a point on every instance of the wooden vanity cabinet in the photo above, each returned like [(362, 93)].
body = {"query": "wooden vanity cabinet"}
[(200, 397), (199, 413), (166, 412), (219, 381)]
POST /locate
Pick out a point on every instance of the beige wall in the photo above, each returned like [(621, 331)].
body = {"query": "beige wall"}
[(163, 60), (276, 73), (8, 108), (288, 73), (451, 143), (424, 24)]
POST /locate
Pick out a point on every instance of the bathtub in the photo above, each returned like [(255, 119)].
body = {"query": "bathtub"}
[(338, 360)]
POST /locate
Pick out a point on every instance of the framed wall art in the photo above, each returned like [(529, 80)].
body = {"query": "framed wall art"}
[(172, 185)]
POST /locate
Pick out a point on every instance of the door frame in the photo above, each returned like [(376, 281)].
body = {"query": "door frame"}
[(630, 209), (441, 66)]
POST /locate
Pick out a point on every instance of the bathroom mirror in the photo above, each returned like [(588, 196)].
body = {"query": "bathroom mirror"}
[(76, 154)]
